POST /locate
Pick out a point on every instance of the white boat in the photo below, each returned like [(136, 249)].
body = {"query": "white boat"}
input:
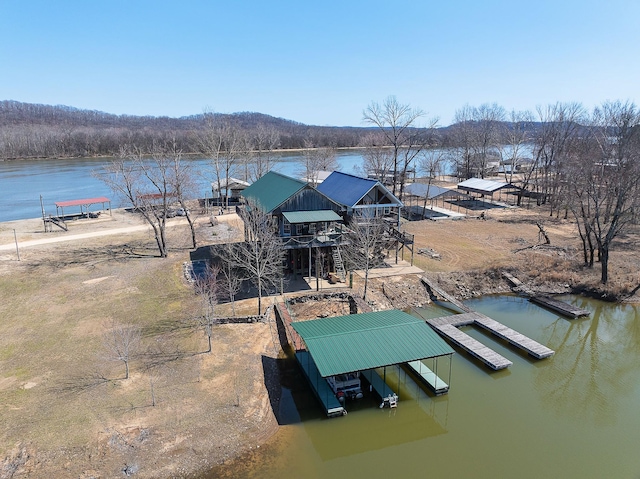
[(346, 386)]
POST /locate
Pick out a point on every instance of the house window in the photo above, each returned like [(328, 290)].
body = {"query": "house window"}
[(312, 228), (286, 227)]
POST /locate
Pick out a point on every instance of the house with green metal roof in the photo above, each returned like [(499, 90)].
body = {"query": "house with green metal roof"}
[(310, 224)]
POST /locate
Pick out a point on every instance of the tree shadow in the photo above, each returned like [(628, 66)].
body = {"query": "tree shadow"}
[(81, 383)]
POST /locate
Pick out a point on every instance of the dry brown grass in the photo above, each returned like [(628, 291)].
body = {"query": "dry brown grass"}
[(65, 405), (66, 413)]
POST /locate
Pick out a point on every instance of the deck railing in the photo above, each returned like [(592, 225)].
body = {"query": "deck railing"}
[(323, 238)]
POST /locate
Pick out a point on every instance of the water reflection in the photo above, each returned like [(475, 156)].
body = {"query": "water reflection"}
[(596, 355), (572, 415)]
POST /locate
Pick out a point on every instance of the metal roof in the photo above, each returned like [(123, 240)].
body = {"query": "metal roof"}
[(478, 185), (348, 189), (295, 217), (358, 342), (231, 183), (420, 189), (272, 189), (83, 202)]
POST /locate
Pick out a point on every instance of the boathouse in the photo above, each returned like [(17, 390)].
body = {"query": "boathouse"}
[(369, 343)]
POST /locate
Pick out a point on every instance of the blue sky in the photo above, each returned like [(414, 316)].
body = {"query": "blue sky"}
[(318, 63)]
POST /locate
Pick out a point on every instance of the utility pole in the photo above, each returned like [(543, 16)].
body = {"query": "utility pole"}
[(16, 240)]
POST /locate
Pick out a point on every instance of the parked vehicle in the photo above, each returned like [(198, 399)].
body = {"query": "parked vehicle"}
[(181, 212), (346, 386)]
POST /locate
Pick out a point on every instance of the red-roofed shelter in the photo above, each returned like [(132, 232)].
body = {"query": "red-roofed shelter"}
[(82, 203)]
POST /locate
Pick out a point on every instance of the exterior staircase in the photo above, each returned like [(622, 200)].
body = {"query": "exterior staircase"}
[(338, 264)]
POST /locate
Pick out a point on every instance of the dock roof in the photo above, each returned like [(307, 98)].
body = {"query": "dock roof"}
[(358, 342)]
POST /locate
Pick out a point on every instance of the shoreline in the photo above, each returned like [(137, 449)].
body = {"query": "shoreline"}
[(96, 157), (108, 270)]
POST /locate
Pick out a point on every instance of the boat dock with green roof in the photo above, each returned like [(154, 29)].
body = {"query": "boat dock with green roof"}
[(362, 343)]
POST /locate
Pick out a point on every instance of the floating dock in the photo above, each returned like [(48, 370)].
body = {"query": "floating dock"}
[(428, 377), (447, 326), (514, 338), (478, 350), (319, 385), (561, 307)]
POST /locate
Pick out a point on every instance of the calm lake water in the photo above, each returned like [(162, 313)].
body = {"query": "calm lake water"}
[(22, 182), (575, 415)]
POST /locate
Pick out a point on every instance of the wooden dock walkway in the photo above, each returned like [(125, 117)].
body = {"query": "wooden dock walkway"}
[(478, 350), (447, 326), (436, 291), (561, 307), (515, 338)]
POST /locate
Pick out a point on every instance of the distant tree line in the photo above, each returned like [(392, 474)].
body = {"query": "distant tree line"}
[(583, 164), (44, 131)]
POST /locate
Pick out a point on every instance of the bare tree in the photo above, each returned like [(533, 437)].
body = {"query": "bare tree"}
[(488, 123), (261, 254), (399, 125), (263, 156), (377, 157), (121, 343), (607, 178), (146, 184), (430, 162), (462, 141), (365, 249), (183, 184), (223, 142), (515, 135), (207, 288), (561, 125), (315, 160), (231, 275)]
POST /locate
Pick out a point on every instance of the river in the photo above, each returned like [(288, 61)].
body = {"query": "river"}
[(574, 415), (22, 182)]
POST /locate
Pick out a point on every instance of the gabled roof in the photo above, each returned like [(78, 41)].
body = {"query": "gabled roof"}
[(433, 191), (273, 189), (231, 183), (358, 342), (478, 185), (348, 190)]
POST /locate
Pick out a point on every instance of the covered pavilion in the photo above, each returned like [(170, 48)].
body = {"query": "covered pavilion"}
[(418, 194), (84, 205), (484, 188)]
